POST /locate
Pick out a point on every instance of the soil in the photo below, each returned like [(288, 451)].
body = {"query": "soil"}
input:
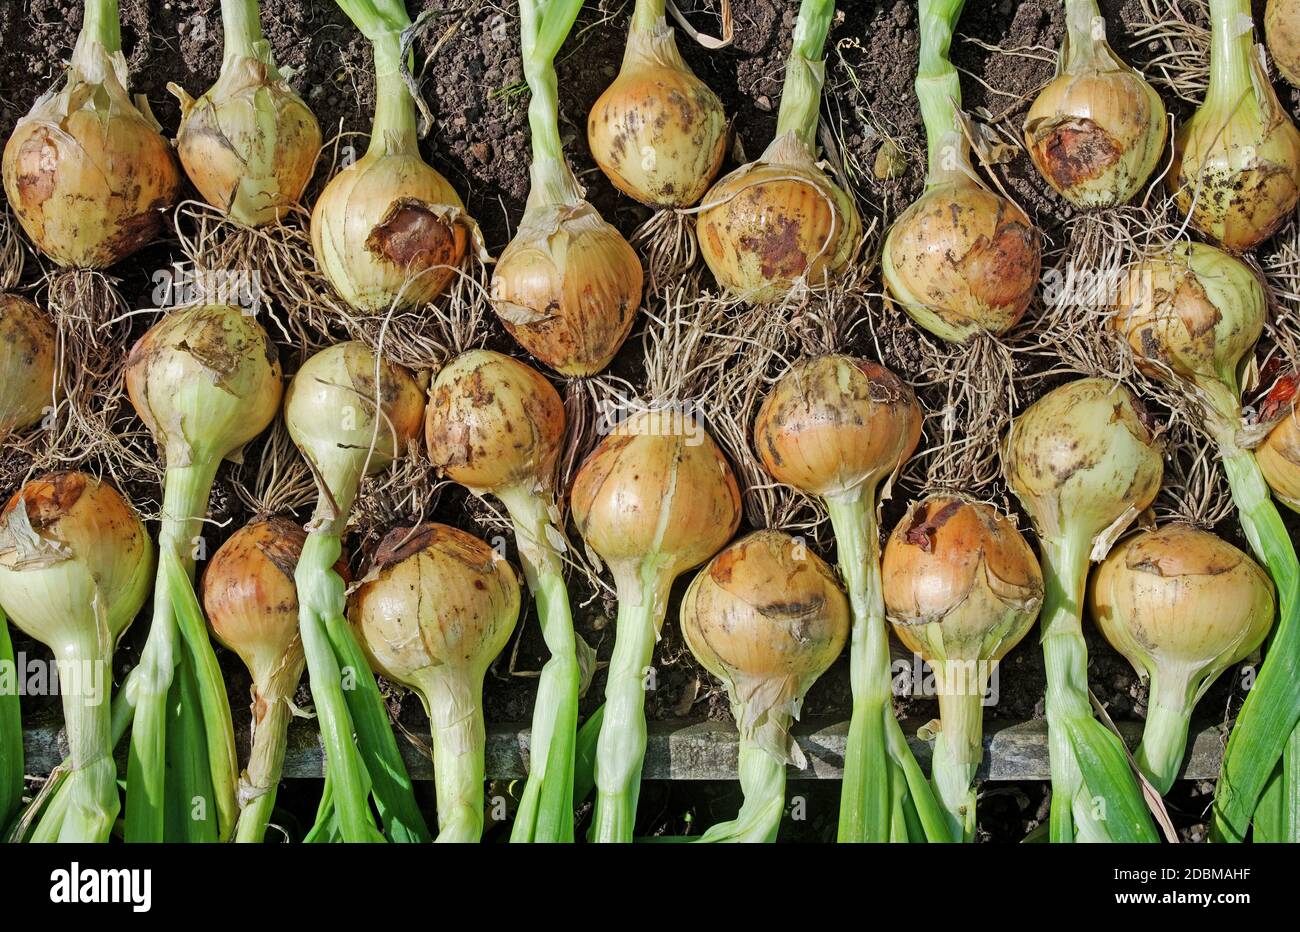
[(474, 85)]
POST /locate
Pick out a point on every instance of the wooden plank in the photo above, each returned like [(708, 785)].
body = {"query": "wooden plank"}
[(694, 751)]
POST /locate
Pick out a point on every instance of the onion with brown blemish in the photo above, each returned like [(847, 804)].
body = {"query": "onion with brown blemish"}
[(961, 588), (767, 617), (28, 347), (1182, 606)]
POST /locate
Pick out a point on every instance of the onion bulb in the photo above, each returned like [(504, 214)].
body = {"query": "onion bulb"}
[(86, 171), (658, 132), (75, 568), (1236, 169), (249, 143), (1097, 130), (780, 221), (1083, 463), (653, 499), (1282, 30), (28, 345), (961, 589), (1278, 454), (433, 614), (1182, 606), (767, 617)]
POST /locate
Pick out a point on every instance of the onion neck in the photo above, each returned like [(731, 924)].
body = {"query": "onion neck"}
[(762, 781), (92, 780), (939, 91), (1232, 38), (257, 786), (1079, 53), (101, 26), (1164, 736), (394, 129), (805, 73), (647, 16), (243, 30), (542, 30), (958, 749)]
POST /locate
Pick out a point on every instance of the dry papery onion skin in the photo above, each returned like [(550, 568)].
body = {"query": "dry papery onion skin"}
[(777, 222), (88, 175), (658, 132), (249, 144), (28, 344), (1282, 30), (567, 288), (962, 261)]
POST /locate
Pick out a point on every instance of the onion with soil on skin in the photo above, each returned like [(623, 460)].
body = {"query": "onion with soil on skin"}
[(658, 132), (1282, 31), (1182, 606), (86, 171), (1097, 131), (28, 347), (961, 588), (767, 617), (433, 613), (389, 230), (961, 260), (249, 143), (780, 221), (1236, 169)]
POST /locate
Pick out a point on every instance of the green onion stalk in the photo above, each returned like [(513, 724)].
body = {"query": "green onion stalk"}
[(496, 426), (961, 260), (75, 568), (11, 733), (653, 499), (568, 285), (1192, 317), (961, 588), (205, 380), (780, 223), (767, 617), (351, 414), (1236, 167), (436, 608), (837, 428), (1084, 464)]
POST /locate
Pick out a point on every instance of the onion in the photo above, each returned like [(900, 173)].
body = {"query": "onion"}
[(1097, 130), (780, 220), (205, 380), (1278, 454), (388, 230), (653, 499), (568, 285), (1282, 29), (961, 588), (961, 260), (433, 613), (252, 605), (88, 175), (837, 427), (1182, 606), (658, 132), (250, 143), (1083, 463), (28, 346), (75, 566), (1236, 169), (767, 617)]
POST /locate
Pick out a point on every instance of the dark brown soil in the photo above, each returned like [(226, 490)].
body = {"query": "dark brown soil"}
[(474, 86)]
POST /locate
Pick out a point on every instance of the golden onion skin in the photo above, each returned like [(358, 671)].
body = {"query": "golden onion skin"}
[(205, 380), (656, 485), (567, 288), (250, 143), (1278, 454), (775, 222), (1096, 134), (1282, 32), (493, 422), (27, 352), (1237, 174), (767, 617), (959, 581), (962, 260), (87, 174), (833, 424), (658, 132), (389, 230), (72, 546), (1082, 460), (1194, 311)]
